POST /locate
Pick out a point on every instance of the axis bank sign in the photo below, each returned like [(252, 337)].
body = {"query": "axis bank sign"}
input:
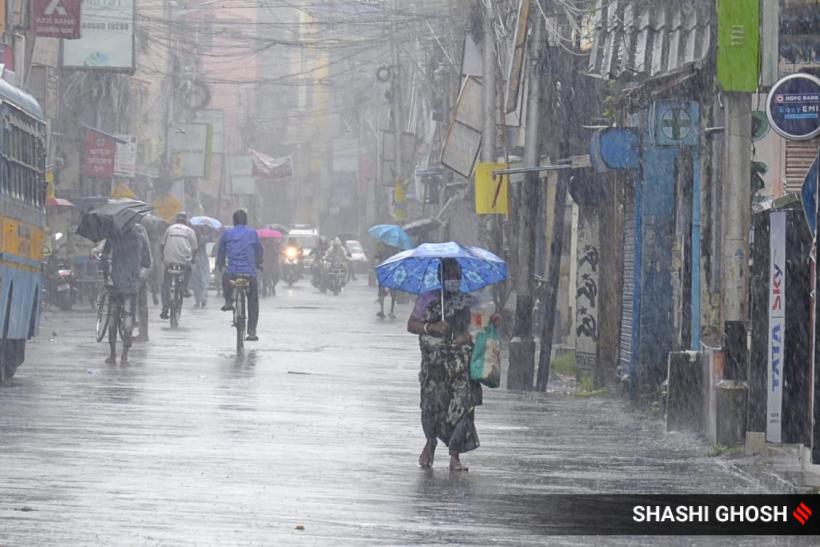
[(56, 18), (777, 326)]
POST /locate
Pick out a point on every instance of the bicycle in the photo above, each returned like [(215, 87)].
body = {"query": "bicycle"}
[(103, 315), (240, 316), (176, 272)]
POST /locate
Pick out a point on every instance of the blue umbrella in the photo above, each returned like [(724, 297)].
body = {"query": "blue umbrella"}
[(206, 221), (392, 235), (417, 270)]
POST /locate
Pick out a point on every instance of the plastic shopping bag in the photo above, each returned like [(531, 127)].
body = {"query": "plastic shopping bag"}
[(485, 363)]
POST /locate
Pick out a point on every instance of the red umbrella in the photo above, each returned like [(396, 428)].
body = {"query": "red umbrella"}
[(267, 233)]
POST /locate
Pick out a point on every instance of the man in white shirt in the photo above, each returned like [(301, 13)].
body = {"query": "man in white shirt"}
[(179, 247)]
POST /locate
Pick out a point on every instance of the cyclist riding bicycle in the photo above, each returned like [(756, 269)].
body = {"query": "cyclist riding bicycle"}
[(240, 248), (179, 246)]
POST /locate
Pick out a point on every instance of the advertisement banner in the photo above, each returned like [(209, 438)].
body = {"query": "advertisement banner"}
[(777, 325), (100, 153), (491, 192), (107, 42), (125, 164), (56, 18), (738, 44)]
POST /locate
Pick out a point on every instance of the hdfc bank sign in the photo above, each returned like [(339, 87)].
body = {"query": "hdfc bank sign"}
[(56, 18)]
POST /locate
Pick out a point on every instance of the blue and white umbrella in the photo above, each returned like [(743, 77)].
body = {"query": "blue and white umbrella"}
[(417, 270), (206, 221), (392, 235)]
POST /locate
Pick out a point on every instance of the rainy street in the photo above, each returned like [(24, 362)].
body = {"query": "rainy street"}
[(311, 437)]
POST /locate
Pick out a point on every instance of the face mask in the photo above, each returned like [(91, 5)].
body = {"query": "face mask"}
[(452, 285)]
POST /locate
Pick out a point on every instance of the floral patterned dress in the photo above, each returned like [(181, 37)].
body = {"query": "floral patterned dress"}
[(448, 396)]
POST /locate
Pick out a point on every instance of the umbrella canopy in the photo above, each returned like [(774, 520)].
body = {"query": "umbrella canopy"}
[(277, 227), (392, 235), (267, 233), (421, 226), (206, 221), (154, 224), (417, 270), (58, 202), (113, 218)]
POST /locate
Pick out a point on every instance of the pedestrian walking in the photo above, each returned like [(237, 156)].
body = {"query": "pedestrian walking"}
[(201, 274), (142, 295), (128, 254), (448, 395), (383, 252)]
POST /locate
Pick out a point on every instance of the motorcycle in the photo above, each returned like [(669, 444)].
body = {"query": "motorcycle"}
[(61, 290), (291, 265), (335, 274)]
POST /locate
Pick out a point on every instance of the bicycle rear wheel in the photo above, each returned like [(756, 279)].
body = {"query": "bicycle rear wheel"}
[(239, 320), (176, 306), (102, 315)]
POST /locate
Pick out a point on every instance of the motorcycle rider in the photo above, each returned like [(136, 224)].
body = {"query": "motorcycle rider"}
[(322, 247), (179, 247), (240, 248)]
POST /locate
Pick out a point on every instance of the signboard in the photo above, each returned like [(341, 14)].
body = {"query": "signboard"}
[(793, 107), (676, 123), (100, 152), (461, 148), (738, 44), (125, 163), (56, 18), (107, 42), (808, 195), (345, 155), (491, 192), (777, 326), (240, 172), (190, 147)]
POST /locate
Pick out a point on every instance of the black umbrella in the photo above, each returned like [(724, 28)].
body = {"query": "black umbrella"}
[(112, 219)]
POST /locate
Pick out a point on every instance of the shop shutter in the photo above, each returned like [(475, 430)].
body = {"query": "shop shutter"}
[(628, 295), (799, 157)]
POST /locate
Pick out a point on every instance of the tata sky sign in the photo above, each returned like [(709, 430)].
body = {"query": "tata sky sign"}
[(793, 107), (777, 326)]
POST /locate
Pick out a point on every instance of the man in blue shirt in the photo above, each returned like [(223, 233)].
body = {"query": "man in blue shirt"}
[(240, 247)]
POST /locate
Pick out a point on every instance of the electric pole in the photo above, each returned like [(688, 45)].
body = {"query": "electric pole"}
[(522, 345)]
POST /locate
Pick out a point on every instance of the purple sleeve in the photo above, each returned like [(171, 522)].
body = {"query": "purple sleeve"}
[(421, 305)]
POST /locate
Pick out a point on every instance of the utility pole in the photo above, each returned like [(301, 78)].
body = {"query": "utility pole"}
[(395, 96), (522, 345), (737, 214), (488, 83)]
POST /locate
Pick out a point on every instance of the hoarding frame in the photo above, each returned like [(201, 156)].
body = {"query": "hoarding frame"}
[(74, 43)]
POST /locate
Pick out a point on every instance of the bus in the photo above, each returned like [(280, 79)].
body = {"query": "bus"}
[(22, 222)]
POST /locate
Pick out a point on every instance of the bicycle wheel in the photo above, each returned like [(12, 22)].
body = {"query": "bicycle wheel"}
[(239, 319), (102, 315), (175, 306)]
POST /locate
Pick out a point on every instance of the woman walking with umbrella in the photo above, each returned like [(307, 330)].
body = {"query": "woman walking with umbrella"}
[(443, 274)]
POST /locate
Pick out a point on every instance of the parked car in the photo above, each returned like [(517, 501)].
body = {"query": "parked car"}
[(358, 259)]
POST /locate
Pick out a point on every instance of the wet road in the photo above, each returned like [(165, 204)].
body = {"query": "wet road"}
[(316, 427)]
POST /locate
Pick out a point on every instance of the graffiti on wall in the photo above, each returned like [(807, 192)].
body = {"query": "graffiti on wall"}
[(586, 294)]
